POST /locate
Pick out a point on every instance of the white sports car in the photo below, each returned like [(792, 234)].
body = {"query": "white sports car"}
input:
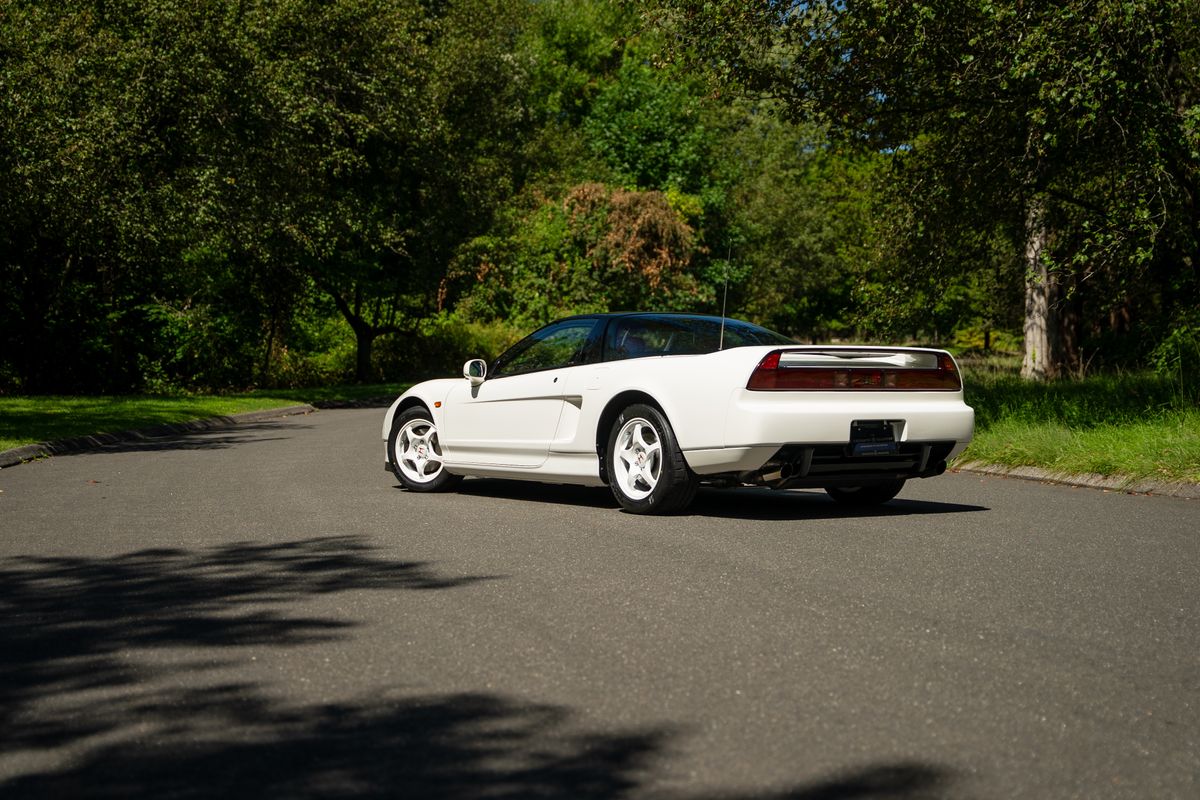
[(655, 405)]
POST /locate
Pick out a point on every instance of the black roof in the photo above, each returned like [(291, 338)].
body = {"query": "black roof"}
[(678, 314)]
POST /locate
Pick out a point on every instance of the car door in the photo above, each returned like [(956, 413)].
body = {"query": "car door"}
[(509, 420)]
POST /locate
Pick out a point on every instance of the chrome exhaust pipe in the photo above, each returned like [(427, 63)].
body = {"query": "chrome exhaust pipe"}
[(778, 473)]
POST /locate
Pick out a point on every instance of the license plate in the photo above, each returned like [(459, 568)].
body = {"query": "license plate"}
[(872, 437)]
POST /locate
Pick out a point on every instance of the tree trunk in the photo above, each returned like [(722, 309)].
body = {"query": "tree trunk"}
[(365, 333), (1043, 358), (266, 365), (364, 337)]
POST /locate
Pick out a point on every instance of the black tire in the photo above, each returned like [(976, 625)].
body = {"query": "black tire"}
[(415, 455), (646, 470), (873, 495)]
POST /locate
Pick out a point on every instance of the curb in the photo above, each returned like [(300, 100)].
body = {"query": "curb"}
[(1107, 483), (366, 402), (98, 441)]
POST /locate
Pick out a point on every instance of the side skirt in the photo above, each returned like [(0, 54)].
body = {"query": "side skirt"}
[(577, 469)]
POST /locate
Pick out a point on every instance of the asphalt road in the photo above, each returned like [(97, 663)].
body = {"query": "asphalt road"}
[(260, 612)]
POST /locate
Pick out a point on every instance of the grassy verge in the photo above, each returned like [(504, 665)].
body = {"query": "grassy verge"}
[(26, 420), (1139, 426), (334, 394)]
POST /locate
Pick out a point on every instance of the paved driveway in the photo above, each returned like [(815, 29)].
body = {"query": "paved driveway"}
[(260, 612)]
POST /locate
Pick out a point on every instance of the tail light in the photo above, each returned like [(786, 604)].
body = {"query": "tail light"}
[(774, 374)]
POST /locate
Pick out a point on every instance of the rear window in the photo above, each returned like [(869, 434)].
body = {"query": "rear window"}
[(639, 337)]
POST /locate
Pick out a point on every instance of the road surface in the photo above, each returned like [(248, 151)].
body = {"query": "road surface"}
[(260, 612)]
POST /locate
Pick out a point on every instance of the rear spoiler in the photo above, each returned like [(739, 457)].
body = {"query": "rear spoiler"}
[(831, 369)]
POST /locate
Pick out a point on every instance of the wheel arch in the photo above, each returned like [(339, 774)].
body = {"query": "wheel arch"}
[(404, 403), (608, 416)]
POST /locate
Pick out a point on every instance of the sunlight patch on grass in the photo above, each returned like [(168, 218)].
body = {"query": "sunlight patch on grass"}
[(28, 420), (1165, 448)]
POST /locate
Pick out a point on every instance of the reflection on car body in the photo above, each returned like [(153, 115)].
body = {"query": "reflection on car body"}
[(655, 405)]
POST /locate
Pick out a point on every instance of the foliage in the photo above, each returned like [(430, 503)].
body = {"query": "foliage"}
[(804, 221), (185, 177), (216, 194), (599, 248), (1177, 355), (1065, 125), (575, 47), (443, 343), (648, 127)]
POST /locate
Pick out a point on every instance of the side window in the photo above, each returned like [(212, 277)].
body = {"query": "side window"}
[(563, 344), (639, 337)]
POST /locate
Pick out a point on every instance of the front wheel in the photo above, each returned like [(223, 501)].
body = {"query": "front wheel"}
[(873, 495), (646, 470), (415, 454)]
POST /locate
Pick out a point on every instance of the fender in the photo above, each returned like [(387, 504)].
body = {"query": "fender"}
[(430, 394)]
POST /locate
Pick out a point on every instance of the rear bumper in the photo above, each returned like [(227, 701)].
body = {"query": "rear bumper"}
[(760, 418), (811, 432)]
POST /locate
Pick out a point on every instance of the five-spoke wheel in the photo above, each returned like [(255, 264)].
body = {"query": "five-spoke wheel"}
[(637, 459), (646, 470), (415, 454)]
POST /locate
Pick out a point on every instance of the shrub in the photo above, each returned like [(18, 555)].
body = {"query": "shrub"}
[(1177, 356)]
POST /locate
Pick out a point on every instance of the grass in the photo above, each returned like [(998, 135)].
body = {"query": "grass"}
[(322, 395), (27, 420), (1133, 425)]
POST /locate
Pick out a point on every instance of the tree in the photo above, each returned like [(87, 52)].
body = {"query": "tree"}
[(599, 248), (623, 204), (1070, 127), (390, 130), (804, 219), (182, 178)]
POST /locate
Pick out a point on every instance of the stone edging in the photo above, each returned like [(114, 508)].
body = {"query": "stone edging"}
[(1087, 480), (80, 444)]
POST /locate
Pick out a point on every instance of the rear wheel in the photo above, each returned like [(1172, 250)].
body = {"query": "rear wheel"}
[(873, 495), (415, 454), (646, 470)]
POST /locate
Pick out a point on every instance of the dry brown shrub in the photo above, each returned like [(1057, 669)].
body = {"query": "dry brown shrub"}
[(634, 232)]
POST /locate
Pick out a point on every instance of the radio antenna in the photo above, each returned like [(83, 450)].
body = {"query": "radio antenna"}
[(724, 301)]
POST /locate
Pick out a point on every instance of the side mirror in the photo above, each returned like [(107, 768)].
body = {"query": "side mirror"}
[(475, 371)]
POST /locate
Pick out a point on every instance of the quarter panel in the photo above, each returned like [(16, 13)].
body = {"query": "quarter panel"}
[(694, 391)]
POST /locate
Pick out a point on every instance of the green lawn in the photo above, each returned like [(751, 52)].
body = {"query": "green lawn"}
[(1134, 425), (336, 394), (26, 420)]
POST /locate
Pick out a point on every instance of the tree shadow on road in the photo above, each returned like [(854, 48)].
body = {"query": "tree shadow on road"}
[(532, 491), (809, 504), (87, 711), (67, 624), (747, 503), (219, 436), (229, 742)]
